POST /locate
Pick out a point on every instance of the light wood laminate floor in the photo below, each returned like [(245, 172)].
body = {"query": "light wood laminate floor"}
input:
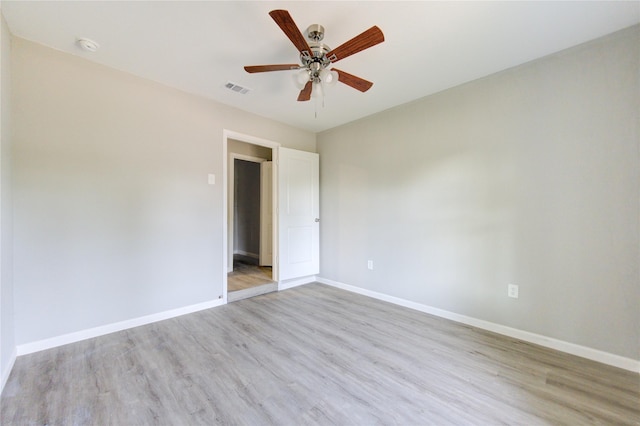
[(313, 355), (245, 275)]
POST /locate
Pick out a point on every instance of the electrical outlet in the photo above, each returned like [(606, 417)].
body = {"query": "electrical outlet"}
[(370, 264), (512, 291)]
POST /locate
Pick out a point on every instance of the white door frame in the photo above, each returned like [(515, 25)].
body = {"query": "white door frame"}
[(230, 134), (231, 201)]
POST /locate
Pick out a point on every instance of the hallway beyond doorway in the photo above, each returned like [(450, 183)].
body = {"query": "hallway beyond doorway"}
[(249, 279)]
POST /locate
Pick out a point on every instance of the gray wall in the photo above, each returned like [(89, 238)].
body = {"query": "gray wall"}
[(7, 340), (247, 208), (114, 218), (530, 177)]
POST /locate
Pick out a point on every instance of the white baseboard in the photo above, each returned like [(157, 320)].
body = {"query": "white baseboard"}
[(77, 336), (284, 285), (247, 254), (538, 339), (7, 372)]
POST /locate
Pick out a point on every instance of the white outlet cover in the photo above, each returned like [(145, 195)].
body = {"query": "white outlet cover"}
[(211, 179), (512, 291)]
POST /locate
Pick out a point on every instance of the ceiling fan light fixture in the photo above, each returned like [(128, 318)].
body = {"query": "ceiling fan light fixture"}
[(314, 77), (329, 78), (301, 78), (318, 91)]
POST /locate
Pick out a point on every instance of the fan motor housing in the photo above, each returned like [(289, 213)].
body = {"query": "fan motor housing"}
[(319, 52), (315, 33)]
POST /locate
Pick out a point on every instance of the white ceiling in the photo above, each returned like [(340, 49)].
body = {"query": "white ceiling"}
[(429, 46)]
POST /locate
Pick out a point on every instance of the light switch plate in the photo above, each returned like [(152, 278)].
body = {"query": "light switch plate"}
[(212, 179)]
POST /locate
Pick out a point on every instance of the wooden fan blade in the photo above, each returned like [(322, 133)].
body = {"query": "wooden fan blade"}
[(351, 80), (305, 93), (286, 24), (369, 38), (266, 68)]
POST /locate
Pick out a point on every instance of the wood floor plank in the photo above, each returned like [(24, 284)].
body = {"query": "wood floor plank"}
[(246, 275), (313, 355)]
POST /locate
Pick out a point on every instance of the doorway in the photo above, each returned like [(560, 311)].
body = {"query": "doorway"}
[(250, 217), (295, 211)]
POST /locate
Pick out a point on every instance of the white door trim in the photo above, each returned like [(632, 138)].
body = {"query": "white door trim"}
[(230, 134)]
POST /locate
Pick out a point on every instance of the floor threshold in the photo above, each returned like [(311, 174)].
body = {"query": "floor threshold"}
[(234, 296)]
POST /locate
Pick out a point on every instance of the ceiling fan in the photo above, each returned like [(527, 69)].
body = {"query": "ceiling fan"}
[(316, 57)]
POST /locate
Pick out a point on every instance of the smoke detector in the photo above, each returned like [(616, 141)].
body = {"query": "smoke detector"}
[(87, 45)]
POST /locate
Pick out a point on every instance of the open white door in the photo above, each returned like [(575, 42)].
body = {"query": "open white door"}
[(266, 213), (299, 213)]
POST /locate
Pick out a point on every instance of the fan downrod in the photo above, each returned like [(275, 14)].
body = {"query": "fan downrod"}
[(315, 32)]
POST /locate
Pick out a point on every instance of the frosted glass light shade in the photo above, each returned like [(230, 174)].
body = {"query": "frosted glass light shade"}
[(317, 92), (329, 78), (301, 78), (332, 78)]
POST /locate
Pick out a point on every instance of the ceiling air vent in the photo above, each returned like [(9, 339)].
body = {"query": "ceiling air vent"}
[(237, 88)]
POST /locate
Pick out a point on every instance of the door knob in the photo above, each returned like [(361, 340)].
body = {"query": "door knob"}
[(317, 219)]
